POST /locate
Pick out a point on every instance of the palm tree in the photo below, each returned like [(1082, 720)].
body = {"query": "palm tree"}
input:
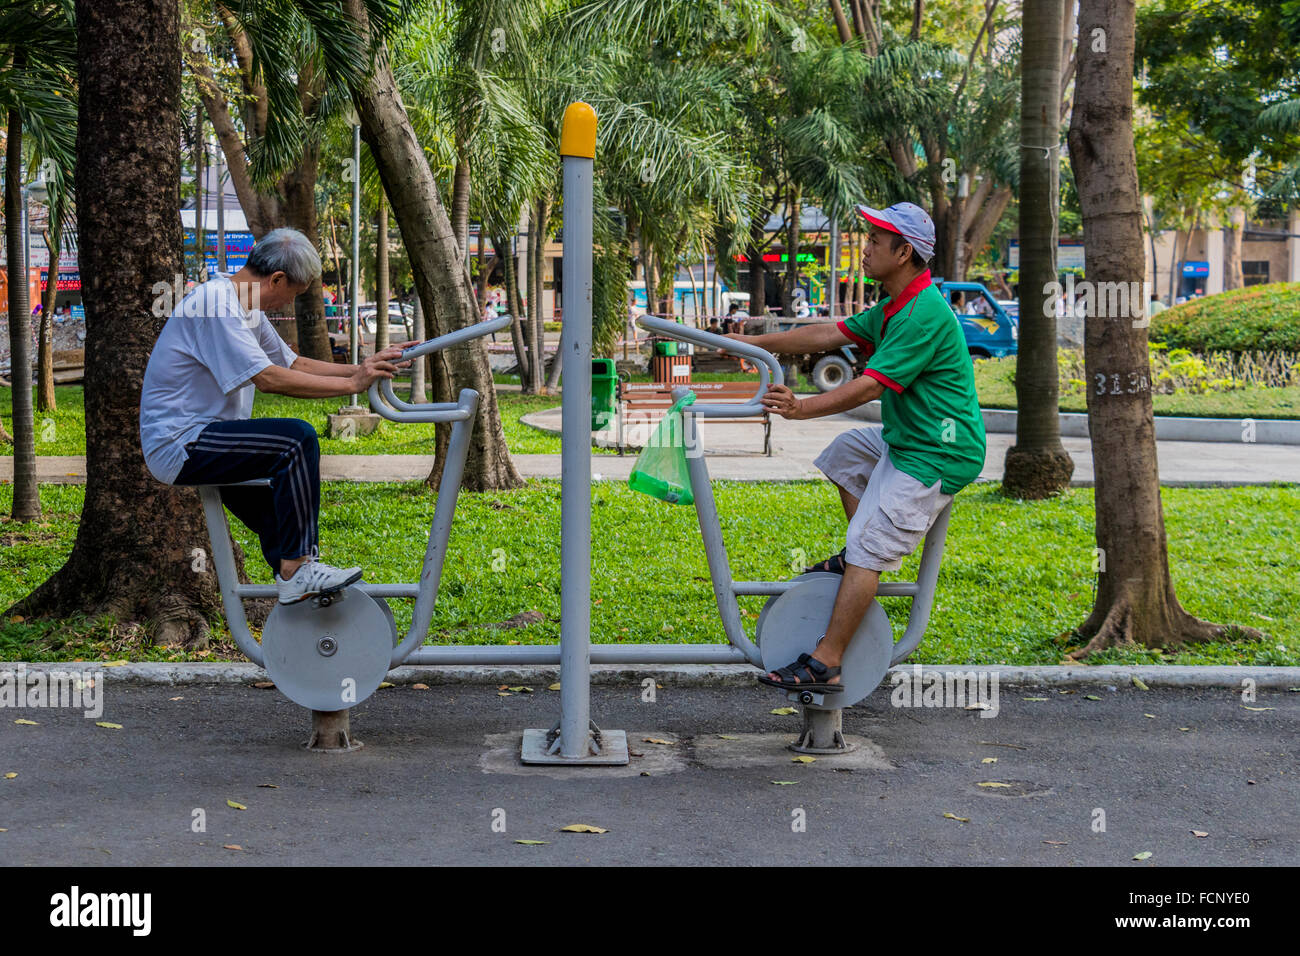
[(1135, 596), (37, 93), (1038, 466), (125, 562)]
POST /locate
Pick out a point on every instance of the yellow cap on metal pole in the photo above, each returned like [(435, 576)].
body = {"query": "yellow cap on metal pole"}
[(578, 134)]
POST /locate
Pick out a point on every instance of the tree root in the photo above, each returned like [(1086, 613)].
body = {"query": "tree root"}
[(1118, 628)]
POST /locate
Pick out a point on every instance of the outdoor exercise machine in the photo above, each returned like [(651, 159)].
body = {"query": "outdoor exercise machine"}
[(797, 611), (333, 651), (332, 654)]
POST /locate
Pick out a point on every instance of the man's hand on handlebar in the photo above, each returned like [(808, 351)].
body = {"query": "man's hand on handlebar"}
[(781, 400), (380, 365)]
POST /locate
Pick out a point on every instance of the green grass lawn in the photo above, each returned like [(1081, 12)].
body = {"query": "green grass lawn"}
[(995, 381), (1017, 576)]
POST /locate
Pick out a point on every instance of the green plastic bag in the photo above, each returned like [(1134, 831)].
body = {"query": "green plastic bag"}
[(661, 470)]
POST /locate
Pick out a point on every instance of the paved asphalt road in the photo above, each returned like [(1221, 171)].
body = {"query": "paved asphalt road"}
[(438, 763)]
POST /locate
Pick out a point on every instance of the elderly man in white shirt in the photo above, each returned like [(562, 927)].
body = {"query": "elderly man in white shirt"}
[(196, 425)]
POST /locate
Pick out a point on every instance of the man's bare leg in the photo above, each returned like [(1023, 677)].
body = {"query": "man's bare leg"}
[(849, 502), (851, 603), (290, 566)]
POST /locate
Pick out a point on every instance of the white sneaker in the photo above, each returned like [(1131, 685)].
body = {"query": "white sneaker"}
[(313, 578)]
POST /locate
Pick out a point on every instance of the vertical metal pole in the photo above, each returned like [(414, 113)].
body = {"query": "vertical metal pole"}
[(353, 346), (221, 210), (575, 739), (575, 458)]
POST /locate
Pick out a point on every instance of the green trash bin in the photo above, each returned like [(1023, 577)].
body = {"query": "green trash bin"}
[(604, 393), (668, 347)]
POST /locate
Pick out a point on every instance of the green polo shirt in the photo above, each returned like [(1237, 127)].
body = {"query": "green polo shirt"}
[(929, 409)]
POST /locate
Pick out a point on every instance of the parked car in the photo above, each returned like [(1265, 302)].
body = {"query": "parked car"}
[(399, 328)]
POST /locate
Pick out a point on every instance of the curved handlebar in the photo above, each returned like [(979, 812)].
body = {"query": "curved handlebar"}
[(396, 410), (769, 369)]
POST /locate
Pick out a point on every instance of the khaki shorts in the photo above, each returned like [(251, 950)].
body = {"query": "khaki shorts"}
[(894, 509)]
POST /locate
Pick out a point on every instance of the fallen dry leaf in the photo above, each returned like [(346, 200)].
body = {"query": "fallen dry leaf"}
[(582, 828), (804, 759), (385, 684), (784, 711), (110, 726), (10, 775), (1257, 709), (727, 737), (662, 743), (235, 806), (991, 784), (1056, 842), (785, 783), (419, 687), (1152, 716), (502, 693), (264, 685), (270, 786), (1033, 698), (989, 760), (175, 698), (532, 842), (1144, 855), (953, 816), (231, 846), (114, 663), (26, 723), (1139, 683), (1201, 834), (555, 686)]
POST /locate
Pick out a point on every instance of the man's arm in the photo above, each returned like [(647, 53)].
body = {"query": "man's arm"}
[(804, 340), (301, 380), (316, 367), (851, 394)]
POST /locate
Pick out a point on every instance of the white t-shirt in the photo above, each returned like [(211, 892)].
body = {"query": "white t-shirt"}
[(200, 369)]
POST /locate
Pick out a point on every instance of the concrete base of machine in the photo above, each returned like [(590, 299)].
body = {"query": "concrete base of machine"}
[(331, 733), (772, 753), (823, 733), (613, 750)]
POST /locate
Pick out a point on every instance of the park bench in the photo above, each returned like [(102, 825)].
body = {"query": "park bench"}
[(644, 403)]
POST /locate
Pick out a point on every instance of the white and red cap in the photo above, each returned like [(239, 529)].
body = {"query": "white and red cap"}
[(908, 220)]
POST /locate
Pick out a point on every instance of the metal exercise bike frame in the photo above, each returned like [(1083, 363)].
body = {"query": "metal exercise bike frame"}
[(725, 588)]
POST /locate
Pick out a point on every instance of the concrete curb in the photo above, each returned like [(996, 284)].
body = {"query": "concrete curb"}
[(698, 675), (1168, 427)]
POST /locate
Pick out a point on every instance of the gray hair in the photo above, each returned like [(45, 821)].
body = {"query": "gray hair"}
[(288, 251)]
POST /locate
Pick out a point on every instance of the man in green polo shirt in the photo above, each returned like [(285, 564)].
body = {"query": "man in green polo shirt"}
[(893, 478)]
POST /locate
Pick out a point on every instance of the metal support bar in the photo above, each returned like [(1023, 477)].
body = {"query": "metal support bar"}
[(715, 551), (435, 552), (223, 558), (927, 578)]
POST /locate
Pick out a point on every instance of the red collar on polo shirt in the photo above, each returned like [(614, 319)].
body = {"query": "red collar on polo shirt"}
[(906, 296)]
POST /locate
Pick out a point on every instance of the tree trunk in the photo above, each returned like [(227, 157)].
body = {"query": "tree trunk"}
[(1135, 597), (440, 276), (757, 268), (1037, 465), (125, 561), (460, 203), (45, 398), (418, 378), (300, 213), (27, 501), (515, 306), (537, 292), (792, 252), (381, 277), (1233, 278)]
